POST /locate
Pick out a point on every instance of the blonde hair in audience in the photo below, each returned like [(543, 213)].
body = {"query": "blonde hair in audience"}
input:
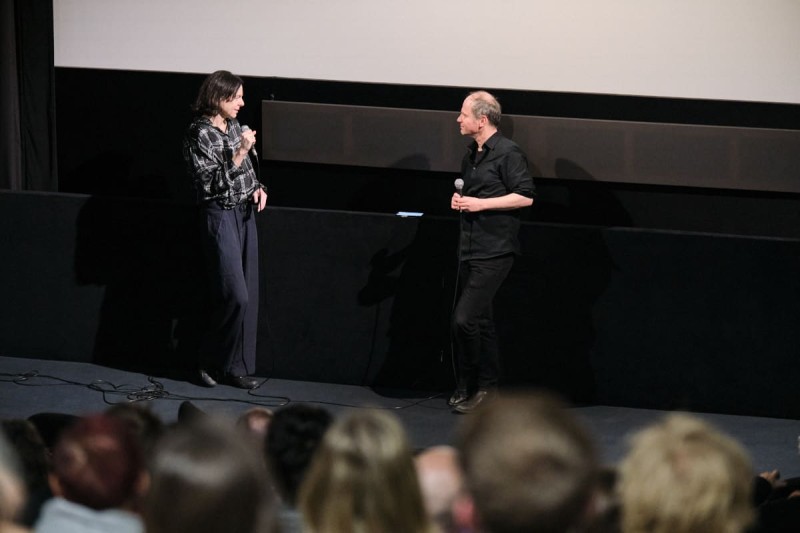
[(683, 476), (363, 479)]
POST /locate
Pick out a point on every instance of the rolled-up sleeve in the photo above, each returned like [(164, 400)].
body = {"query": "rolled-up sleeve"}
[(516, 176)]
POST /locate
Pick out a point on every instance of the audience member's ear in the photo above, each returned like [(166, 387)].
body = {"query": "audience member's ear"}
[(597, 505), (464, 514), (142, 484), (55, 485)]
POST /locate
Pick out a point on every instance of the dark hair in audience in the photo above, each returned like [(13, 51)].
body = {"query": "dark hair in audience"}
[(217, 87), (97, 463), (294, 435), (529, 465), (35, 465), (205, 479), (146, 425), (51, 425), (30, 448)]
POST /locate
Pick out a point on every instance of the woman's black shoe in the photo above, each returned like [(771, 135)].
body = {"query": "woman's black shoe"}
[(241, 382)]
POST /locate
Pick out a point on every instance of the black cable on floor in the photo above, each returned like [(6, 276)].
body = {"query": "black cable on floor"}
[(156, 391)]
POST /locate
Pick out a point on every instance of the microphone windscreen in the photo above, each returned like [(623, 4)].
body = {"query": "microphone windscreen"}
[(459, 183)]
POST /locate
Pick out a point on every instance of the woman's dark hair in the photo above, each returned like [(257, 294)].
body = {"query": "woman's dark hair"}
[(218, 86)]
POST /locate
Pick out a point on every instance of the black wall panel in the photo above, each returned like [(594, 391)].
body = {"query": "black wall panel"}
[(609, 316)]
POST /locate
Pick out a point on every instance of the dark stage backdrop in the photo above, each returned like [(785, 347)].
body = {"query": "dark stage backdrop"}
[(613, 316), (134, 121)]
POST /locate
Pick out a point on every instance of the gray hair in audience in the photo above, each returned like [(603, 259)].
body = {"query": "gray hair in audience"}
[(529, 465), (205, 478)]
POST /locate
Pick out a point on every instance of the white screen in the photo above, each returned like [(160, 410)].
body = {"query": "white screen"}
[(746, 50)]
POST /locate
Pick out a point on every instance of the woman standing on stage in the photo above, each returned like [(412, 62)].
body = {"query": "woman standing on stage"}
[(216, 152)]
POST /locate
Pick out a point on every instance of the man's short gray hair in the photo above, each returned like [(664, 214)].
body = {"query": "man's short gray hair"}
[(485, 104)]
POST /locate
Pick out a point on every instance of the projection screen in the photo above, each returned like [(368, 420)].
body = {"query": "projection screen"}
[(741, 50)]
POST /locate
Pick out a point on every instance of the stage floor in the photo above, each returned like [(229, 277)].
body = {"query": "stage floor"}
[(29, 386)]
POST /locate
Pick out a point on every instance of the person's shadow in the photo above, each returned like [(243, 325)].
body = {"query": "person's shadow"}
[(410, 342), (544, 311), (146, 255)]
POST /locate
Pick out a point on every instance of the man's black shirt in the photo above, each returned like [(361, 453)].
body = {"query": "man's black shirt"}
[(500, 168)]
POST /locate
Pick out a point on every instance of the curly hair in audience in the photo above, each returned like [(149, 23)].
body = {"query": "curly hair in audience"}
[(682, 476), (362, 479)]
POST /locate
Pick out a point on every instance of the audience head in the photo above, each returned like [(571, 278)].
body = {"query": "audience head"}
[(204, 478), (441, 481), (97, 463), (606, 509), (680, 476), (529, 465), (33, 455), (34, 460), (12, 488), (146, 425), (294, 435), (255, 422), (363, 479), (51, 425)]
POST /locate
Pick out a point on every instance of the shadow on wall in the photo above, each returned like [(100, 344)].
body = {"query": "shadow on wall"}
[(114, 173), (578, 199), (544, 311), (411, 291), (147, 256), (397, 191)]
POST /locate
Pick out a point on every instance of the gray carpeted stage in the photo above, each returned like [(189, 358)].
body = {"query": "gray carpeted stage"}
[(29, 386)]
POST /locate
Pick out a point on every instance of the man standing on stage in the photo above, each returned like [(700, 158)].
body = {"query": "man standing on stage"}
[(497, 184)]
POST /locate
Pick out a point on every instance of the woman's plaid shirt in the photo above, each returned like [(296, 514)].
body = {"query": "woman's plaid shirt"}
[(208, 153)]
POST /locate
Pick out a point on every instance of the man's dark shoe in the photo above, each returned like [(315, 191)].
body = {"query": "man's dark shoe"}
[(205, 379), (459, 396), (482, 397), (241, 382)]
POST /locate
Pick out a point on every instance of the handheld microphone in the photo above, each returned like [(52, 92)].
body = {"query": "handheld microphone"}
[(252, 148), (459, 183)]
